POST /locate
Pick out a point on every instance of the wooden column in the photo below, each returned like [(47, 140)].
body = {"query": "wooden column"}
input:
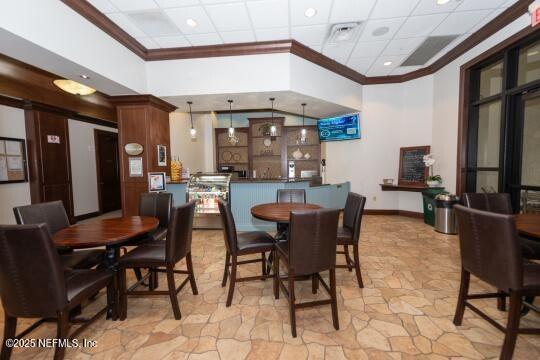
[(142, 119)]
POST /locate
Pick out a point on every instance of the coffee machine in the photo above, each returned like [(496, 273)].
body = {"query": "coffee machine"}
[(292, 169)]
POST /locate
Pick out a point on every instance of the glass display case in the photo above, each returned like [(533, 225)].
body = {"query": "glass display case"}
[(206, 189)]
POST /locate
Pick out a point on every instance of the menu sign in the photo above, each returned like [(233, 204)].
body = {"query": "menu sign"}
[(12, 160), (412, 170)]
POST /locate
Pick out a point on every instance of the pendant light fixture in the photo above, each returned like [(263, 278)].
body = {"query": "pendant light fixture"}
[(273, 128), (193, 131), (231, 129), (303, 132)]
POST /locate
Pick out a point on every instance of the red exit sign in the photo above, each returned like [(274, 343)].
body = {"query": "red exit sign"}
[(534, 9)]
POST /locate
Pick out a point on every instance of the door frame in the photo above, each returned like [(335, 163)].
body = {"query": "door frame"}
[(98, 171)]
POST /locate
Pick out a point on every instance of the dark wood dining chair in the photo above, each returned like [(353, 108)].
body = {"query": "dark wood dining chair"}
[(288, 196), (311, 249), (162, 257), (54, 215), (490, 250), (35, 284), (349, 233), (241, 244)]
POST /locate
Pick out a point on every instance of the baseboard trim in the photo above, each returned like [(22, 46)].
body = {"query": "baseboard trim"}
[(87, 216), (406, 213)]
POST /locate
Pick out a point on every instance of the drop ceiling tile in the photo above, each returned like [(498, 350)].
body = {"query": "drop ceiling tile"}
[(487, 19), (372, 26), (379, 69), (105, 6), (317, 48), (402, 46), (309, 35), (361, 64), (460, 22), (134, 5), (126, 25), (404, 70), (467, 5), (272, 34), (148, 43), (269, 13), (351, 10), (197, 13), (420, 25), (298, 8), (204, 39), (232, 37), (172, 41), (217, 1), (392, 8), (449, 47), (176, 3), (153, 23), (229, 17), (369, 49), (338, 52), (426, 7)]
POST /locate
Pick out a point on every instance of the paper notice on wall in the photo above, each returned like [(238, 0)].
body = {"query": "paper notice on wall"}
[(13, 148), (3, 169), (14, 162)]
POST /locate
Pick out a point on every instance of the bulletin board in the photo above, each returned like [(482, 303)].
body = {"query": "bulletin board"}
[(12, 160)]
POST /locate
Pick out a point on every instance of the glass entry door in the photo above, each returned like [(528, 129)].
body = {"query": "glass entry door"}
[(525, 178)]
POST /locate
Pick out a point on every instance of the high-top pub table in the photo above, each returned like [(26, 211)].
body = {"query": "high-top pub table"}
[(279, 212), (528, 225), (111, 233)]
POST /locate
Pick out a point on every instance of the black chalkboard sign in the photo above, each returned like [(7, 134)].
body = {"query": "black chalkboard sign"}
[(412, 170)]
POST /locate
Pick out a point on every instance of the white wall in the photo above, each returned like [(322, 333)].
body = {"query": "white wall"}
[(82, 150), (197, 155), (17, 194)]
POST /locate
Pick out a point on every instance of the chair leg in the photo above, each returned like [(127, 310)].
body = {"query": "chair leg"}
[(512, 326), (138, 274), (61, 333), (314, 283), (501, 302), (151, 279), (463, 292), (292, 299), (275, 265), (226, 272), (189, 263), (112, 298), (122, 303), (232, 281), (263, 260), (356, 255), (333, 294), (10, 328), (156, 279), (172, 292), (348, 259)]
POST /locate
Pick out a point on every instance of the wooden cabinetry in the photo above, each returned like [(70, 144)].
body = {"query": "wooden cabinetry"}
[(48, 157), (232, 152), (268, 154), (310, 149)]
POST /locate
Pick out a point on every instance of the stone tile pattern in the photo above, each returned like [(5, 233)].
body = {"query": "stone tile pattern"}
[(405, 311)]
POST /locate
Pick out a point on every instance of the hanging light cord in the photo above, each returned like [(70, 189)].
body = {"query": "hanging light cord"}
[(272, 100), (303, 113), (190, 113), (230, 112)]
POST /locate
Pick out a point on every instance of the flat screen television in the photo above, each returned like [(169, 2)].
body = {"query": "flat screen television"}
[(346, 127)]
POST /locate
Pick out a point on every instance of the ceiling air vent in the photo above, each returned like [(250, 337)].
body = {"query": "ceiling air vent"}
[(153, 23), (428, 49), (345, 32)]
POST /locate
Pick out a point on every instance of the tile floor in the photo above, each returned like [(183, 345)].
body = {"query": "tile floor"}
[(405, 311)]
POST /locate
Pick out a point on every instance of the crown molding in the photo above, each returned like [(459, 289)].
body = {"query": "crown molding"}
[(130, 100), (86, 10)]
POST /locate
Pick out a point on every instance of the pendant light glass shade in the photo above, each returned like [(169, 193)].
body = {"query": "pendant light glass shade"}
[(192, 131), (303, 132), (231, 128), (273, 128), (74, 87)]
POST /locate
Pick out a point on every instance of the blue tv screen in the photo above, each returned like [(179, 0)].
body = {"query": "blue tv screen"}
[(346, 127)]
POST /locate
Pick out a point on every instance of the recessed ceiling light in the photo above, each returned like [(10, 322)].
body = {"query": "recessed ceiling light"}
[(387, 63), (380, 31), (442, 2), (310, 12), (191, 22), (85, 76)]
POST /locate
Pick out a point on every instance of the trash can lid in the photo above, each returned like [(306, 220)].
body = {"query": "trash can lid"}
[(447, 197)]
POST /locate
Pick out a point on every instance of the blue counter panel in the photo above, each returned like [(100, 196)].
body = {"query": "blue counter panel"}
[(179, 193)]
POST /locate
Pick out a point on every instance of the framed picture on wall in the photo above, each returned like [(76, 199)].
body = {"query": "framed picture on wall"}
[(157, 182), (135, 167), (12, 160), (162, 155)]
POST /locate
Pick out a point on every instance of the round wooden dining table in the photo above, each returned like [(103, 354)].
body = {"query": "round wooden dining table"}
[(279, 212), (528, 225)]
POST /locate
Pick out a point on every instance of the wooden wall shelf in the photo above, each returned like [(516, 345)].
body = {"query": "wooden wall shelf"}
[(411, 188)]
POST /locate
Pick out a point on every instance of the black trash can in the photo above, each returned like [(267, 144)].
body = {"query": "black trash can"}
[(428, 196)]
